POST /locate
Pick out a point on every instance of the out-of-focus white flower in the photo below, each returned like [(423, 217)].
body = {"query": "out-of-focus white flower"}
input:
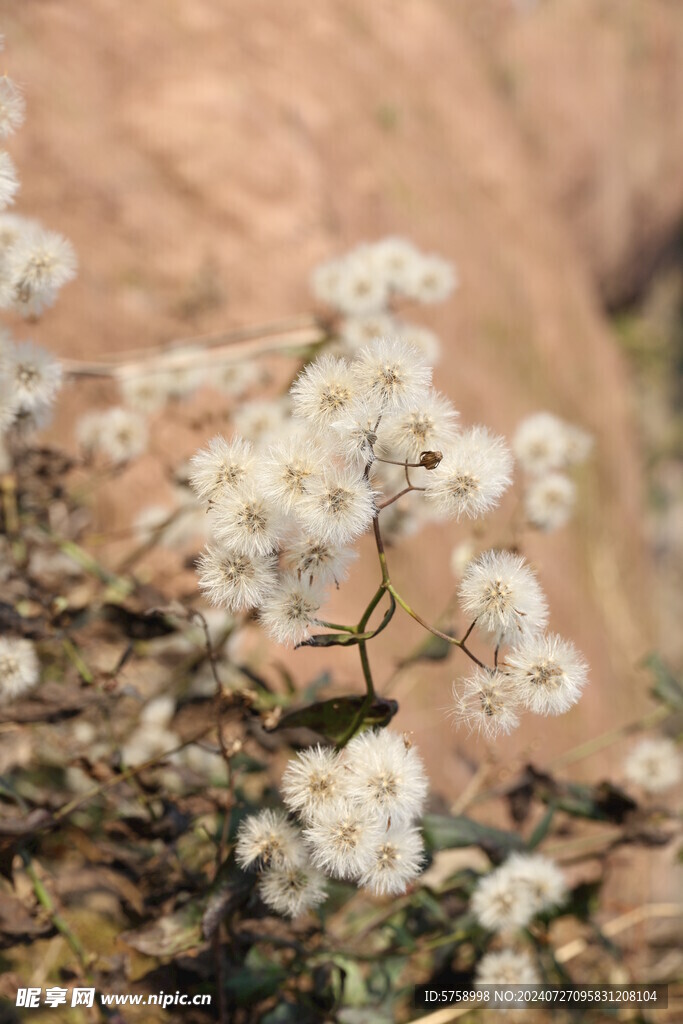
[(19, 668), (343, 839), (486, 702), (395, 259), (427, 427), (268, 840), (323, 390), (9, 182), (540, 876), (121, 434), (430, 279), (292, 891), (398, 861), (247, 522), (654, 764), (506, 967), (392, 374), (325, 282), (236, 581), (540, 443), (37, 265), (357, 331), (183, 379), (547, 673), (33, 374), (337, 507), (236, 379), (386, 776), (261, 420), (422, 338), (221, 468), (362, 288), (579, 444), (502, 593), (144, 392), (500, 903), (314, 778), (472, 477), (461, 556), (319, 560), (12, 107), (289, 610), (549, 501)]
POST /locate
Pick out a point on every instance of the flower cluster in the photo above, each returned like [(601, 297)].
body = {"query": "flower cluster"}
[(654, 764), (541, 672), (34, 265), (356, 812), (523, 886), (546, 448), (285, 512)]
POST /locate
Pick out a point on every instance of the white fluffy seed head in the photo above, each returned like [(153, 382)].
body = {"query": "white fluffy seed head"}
[(391, 374), (119, 434), (37, 265), (261, 420), (246, 521), (354, 434), (236, 379), (398, 860), (12, 107), (342, 839), (654, 764), (549, 501), (289, 468), (547, 673), (236, 581), (325, 281), (362, 287), (540, 877), (502, 593), (323, 391), (540, 443), (144, 392), (422, 338), (506, 967), (357, 331), (34, 376), (289, 611), (394, 259), (268, 840), (485, 702), (427, 427), (19, 668), (500, 903), (338, 506), (9, 182), (430, 279), (318, 560), (292, 891), (471, 479), (313, 779), (220, 468), (386, 776)]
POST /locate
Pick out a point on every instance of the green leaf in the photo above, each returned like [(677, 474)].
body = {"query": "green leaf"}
[(667, 688), (349, 639), (542, 829), (332, 718), (442, 832)]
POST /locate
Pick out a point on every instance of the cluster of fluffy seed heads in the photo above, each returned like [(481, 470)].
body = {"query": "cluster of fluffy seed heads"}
[(523, 886), (34, 265), (538, 672), (118, 434), (546, 449), (19, 668), (351, 816), (506, 967), (363, 283), (288, 501)]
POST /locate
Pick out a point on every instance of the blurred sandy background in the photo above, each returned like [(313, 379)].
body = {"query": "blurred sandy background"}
[(203, 155)]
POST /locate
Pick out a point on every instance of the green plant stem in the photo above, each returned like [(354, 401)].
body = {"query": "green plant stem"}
[(432, 629), (337, 626), (45, 900)]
